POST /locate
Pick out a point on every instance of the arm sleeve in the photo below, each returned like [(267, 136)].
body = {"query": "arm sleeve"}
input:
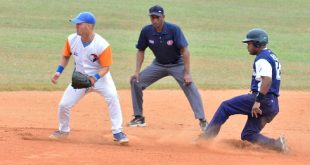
[(180, 39), (142, 42), (105, 58), (67, 49), (263, 68)]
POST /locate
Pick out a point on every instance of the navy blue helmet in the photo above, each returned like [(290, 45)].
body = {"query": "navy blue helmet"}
[(258, 36)]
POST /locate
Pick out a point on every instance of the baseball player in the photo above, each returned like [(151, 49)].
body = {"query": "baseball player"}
[(93, 56), (170, 48), (261, 106)]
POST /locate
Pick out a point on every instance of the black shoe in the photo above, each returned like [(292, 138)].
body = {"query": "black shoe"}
[(138, 121), (203, 124)]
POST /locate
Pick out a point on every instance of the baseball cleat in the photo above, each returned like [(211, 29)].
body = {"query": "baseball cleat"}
[(281, 144), (138, 121), (203, 124), (121, 138), (59, 135)]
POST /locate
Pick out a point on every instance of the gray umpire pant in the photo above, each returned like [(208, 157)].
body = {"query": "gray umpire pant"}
[(155, 72)]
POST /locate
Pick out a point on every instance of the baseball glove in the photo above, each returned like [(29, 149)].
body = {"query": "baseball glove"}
[(80, 80)]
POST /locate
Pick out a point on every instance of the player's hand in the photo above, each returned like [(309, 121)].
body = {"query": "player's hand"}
[(256, 110), (92, 80), (135, 78), (187, 79), (55, 77)]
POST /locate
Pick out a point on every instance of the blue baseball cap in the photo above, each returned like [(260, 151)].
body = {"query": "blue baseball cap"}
[(156, 10), (84, 17)]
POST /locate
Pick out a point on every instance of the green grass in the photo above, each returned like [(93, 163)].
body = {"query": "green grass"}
[(33, 33)]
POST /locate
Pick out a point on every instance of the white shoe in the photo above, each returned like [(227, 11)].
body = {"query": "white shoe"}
[(59, 135), (281, 144)]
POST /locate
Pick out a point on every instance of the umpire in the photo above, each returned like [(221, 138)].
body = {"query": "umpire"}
[(167, 42)]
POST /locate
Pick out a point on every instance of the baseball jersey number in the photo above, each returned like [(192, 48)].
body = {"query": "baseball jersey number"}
[(278, 66)]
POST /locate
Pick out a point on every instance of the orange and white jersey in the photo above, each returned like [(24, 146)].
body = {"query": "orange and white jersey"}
[(89, 59)]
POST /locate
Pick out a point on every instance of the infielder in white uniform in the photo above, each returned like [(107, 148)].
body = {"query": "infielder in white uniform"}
[(93, 56)]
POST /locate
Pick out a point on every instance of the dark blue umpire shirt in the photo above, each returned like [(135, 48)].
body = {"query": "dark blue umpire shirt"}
[(166, 45)]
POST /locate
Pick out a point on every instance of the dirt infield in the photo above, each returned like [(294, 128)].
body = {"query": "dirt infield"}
[(28, 118)]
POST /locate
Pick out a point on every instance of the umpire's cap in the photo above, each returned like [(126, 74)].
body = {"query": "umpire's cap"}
[(84, 17), (156, 10)]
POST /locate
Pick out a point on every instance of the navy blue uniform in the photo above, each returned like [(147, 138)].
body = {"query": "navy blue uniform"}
[(272, 59), (243, 104)]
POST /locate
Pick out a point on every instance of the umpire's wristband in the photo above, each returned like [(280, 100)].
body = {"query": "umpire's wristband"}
[(60, 69), (259, 97)]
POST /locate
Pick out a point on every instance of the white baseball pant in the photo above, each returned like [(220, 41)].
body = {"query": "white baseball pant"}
[(105, 87)]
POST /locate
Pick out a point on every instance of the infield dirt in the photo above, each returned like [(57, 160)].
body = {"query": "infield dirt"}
[(28, 118)]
